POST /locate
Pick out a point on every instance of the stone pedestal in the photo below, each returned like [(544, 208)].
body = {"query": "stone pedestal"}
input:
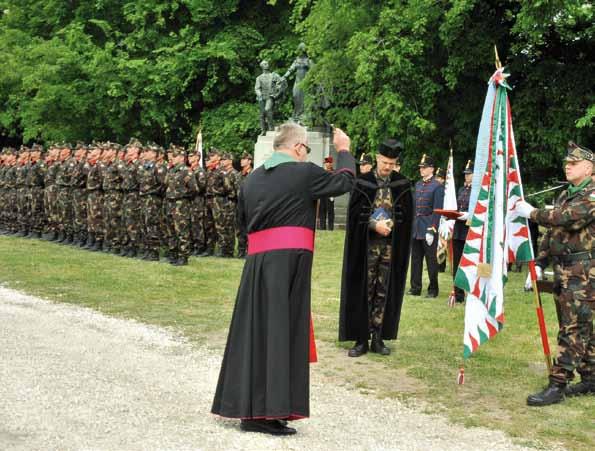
[(321, 144)]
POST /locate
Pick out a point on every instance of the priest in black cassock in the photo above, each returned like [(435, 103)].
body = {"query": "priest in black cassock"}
[(376, 256), (264, 378)]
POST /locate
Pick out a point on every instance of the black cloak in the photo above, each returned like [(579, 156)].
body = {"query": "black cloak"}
[(353, 321)]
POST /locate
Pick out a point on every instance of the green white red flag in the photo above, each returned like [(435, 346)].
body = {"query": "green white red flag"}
[(497, 235)]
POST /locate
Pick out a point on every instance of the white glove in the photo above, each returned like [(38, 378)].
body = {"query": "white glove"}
[(429, 238), (538, 272), (528, 283), (444, 231), (524, 208), (464, 216)]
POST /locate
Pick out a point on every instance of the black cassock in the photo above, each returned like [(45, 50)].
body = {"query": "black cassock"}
[(265, 371), (353, 317)]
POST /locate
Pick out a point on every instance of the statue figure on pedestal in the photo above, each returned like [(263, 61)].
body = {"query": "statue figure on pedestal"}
[(268, 88), (300, 66)]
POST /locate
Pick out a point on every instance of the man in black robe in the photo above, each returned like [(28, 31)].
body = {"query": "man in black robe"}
[(376, 255), (264, 378)]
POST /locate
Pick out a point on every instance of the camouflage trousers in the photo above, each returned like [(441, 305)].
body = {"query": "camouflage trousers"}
[(178, 214), (50, 206), (131, 218), (11, 209), (151, 214), (65, 211), (209, 223), (574, 295), (23, 209), (35, 201), (112, 219), (95, 214), (197, 218), (379, 257), (241, 236), (225, 217), (79, 209)]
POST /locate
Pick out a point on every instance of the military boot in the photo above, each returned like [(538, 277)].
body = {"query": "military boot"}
[(359, 349), (377, 345), (52, 236), (35, 234), (69, 239), (552, 394), (582, 388), (181, 261), (132, 252), (152, 256), (61, 237), (90, 242), (171, 257)]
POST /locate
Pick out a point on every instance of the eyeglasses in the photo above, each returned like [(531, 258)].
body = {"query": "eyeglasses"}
[(308, 149)]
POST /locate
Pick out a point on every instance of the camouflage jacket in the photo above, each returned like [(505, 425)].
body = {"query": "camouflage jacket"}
[(51, 174), (113, 176), (130, 177), (95, 176), (151, 178), (180, 183), (201, 180), (36, 174), (231, 184), (64, 177), (10, 177), (570, 225), (21, 175), (3, 170), (214, 183), (79, 174)]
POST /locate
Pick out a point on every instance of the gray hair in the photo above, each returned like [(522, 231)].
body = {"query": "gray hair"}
[(288, 135)]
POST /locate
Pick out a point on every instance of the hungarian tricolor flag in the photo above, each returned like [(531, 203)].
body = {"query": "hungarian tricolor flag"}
[(497, 235)]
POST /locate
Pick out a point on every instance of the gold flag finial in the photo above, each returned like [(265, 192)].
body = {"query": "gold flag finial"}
[(450, 145), (498, 63)]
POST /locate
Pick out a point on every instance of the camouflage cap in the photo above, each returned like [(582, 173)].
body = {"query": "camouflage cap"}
[(134, 142), (226, 156), (468, 167), (80, 145), (247, 155), (177, 151), (579, 153), (213, 151)]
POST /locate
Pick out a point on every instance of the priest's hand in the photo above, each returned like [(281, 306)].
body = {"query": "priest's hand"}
[(341, 141), (524, 208), (382, 228)]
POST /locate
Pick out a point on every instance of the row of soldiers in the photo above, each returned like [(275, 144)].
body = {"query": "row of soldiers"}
[(128, 200)]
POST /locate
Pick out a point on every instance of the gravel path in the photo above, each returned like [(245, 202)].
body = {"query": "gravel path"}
[(73, 379)]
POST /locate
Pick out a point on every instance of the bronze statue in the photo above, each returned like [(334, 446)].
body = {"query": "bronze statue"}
[(268, 88), (300, 66)]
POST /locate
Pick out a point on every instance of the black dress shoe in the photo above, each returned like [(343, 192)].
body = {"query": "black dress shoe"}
[(359, 349), (273, 427), (377, 346), (182, 261), (582, 388), (414, 292), (432, 294), (552, 394)]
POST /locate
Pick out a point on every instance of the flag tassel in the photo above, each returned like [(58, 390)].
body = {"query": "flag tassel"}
[(461, 375)]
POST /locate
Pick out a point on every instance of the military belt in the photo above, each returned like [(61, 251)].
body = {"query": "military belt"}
[(573, 258)]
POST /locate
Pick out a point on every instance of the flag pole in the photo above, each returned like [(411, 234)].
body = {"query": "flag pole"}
[(537, 296), (452, 296)]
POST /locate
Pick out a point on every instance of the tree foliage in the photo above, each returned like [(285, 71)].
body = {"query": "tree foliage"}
[(416, 69)]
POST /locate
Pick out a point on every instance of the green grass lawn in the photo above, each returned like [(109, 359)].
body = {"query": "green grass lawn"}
[(197, 300)]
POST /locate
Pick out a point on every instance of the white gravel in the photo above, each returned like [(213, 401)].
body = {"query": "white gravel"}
[(74, 379)]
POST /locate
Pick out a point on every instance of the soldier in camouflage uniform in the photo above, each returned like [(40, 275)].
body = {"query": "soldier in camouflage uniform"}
[(246, 165), (10, 177), (112, 201), (151, 179), (568, 244), (79, 195), (212, 179), (94, 188), (64, 183), (180, 189), (50, 193), (23, 210), (198, 206), (35, 183), (226, 191), (5, 164), (131, 215)]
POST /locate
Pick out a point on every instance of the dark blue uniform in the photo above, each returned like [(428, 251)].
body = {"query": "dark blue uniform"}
[(459, 235), (429, 195)]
